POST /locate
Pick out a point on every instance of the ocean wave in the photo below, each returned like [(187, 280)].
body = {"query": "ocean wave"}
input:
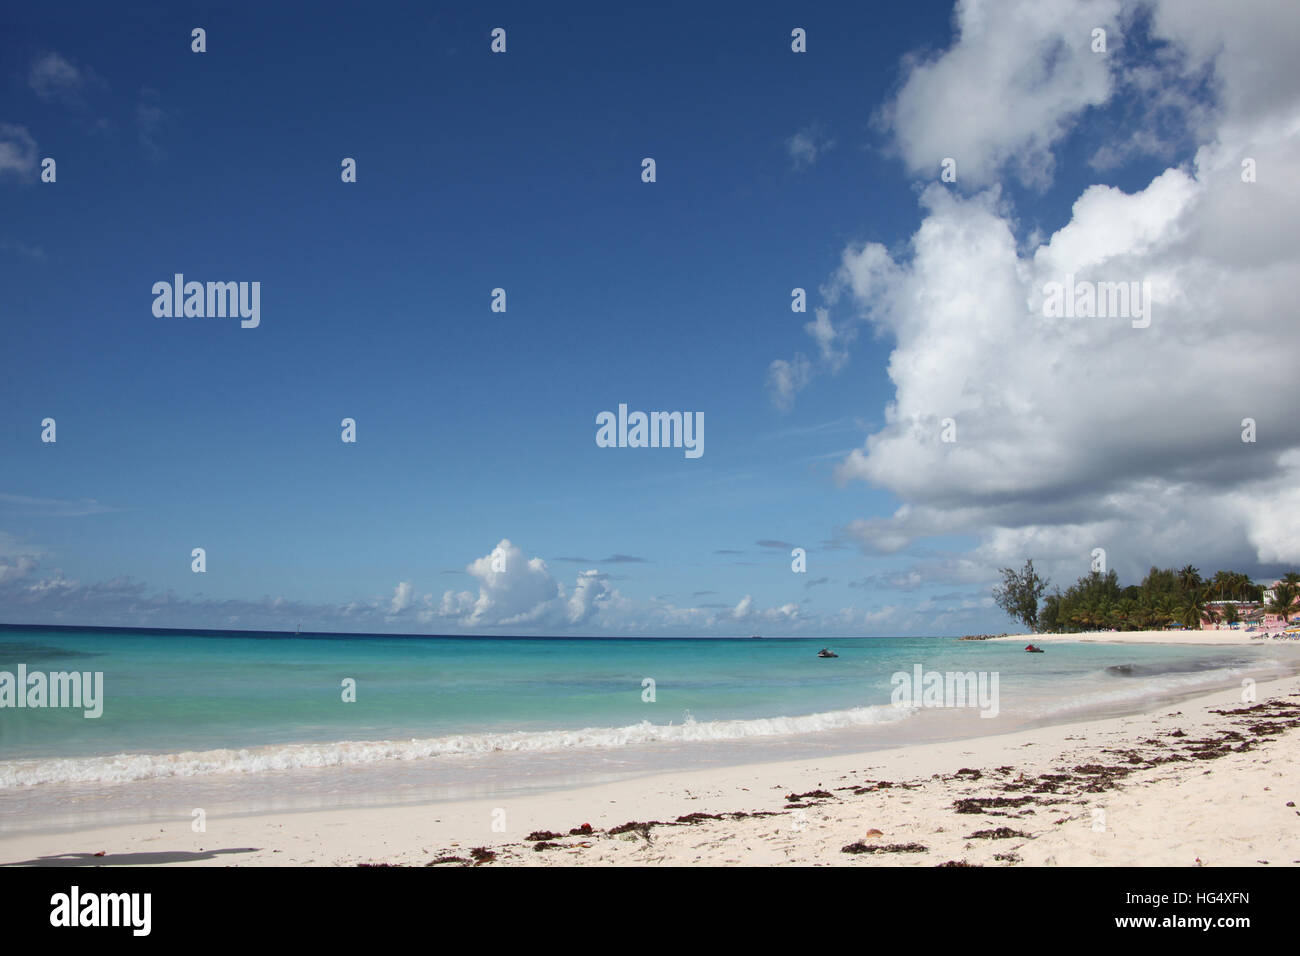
[(1162, 668), (124, 768), (1155, 683)]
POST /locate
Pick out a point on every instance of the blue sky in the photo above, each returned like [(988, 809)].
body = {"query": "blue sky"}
[(522, 171)]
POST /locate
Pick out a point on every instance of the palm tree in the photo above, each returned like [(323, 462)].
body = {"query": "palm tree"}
[(1152, 616), (1230, 615), (1126, 614), (1230, 586), (1111, 616), (1284, 595), (1190, 578), (1166, 607)]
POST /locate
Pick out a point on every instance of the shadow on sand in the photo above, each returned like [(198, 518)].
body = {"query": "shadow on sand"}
[(128, 859)]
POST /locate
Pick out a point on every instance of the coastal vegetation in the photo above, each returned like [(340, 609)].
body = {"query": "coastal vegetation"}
[(1166, 597), (1019, 593)]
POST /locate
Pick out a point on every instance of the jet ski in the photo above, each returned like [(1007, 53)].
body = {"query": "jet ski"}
[(1032, 649), (824, 652)]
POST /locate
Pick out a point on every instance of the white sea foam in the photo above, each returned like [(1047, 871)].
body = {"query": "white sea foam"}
[(1104, 692), (122, 768), (1143, 689)]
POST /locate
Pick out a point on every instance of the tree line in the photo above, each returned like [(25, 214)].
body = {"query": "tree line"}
[(1097, 601)]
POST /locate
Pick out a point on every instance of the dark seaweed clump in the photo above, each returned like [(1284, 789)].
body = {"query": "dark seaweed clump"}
[(861, 847)]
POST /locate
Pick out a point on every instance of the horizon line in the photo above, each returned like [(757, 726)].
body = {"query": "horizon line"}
[(245, 632)]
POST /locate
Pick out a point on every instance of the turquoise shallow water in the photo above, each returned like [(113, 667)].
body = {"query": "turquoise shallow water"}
[(448, 716), (168, 692)]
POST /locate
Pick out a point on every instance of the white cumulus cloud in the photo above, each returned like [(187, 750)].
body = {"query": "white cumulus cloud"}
[(515, 590), (1007, 89), (1088, 432)]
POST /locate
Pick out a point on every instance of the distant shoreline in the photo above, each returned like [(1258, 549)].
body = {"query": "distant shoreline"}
[(1207, 636)]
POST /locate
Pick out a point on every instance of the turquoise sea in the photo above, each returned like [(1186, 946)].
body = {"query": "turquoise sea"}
[(258, 721)]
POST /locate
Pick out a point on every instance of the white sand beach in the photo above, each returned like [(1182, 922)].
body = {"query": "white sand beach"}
[(1182, 786), (1206, 636)]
